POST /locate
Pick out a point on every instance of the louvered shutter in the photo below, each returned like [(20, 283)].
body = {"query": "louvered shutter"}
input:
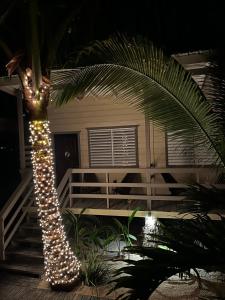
[(183, 154), (113, 147), (178, 153)]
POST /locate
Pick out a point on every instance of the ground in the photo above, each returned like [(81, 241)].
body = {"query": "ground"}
[(18, 287)]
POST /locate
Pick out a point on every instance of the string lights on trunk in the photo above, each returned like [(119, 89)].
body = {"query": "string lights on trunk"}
[(61, 265)]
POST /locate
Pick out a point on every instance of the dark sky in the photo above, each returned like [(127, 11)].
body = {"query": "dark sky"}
[(177, 26)]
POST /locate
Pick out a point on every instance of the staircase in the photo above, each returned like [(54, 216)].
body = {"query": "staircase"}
[(20, 234), (21, 245), (24, 254)]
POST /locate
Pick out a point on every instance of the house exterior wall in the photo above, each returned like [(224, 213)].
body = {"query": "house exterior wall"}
[(91, 112)]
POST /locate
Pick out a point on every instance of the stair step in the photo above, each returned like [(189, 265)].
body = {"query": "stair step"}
[(33, 226), (25, 253), (29, 229), (29, 241), (25, 269)]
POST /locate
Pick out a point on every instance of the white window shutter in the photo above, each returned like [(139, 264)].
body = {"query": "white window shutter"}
[(113, 147), (183, 154)]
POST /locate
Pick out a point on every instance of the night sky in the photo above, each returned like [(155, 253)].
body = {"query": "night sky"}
[(176, 26)]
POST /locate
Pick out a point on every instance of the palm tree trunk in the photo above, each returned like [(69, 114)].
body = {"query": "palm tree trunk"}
[(61, 266)]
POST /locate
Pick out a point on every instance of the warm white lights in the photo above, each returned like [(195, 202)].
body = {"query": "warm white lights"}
[(61, 266), (150, 223), (149, 228)]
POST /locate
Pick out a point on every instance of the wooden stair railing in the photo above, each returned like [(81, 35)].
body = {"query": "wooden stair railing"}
[(13, 212), (63, 189)]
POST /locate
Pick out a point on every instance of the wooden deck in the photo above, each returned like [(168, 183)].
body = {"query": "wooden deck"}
[(18, 287)]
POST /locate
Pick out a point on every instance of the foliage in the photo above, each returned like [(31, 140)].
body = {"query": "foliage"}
[(87, 232), (181, 246), (90, 240), (78, 230), (95, 271), (134, 71), (203, 200), (122, 231)]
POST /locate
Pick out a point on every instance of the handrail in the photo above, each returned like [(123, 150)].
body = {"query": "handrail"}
[(151, 188), (15, 211), (15, 195), (143, 170), (18, 205), (63, 188)]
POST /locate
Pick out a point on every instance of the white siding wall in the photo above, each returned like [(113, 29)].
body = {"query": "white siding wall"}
[(98, 112)]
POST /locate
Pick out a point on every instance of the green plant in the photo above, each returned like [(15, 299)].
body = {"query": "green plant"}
[(123, 230), (95, 271), (181, 245), (81, 230), (87, 232), (203, 200)]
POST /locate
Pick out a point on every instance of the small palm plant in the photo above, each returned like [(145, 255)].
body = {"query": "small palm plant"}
[(122, 232)]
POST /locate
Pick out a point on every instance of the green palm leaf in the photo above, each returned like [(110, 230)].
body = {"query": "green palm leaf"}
[(193, 244), (141, 75)]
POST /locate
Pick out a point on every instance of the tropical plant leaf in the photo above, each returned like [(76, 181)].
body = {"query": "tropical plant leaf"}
[(188, 244), (203, 200), (131, 217), (136, 72)]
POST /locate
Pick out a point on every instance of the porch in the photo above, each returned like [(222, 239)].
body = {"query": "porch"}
[(104, 192), (118, 191)]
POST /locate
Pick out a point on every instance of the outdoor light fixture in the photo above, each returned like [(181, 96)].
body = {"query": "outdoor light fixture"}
[(149, 227), (150, 222)]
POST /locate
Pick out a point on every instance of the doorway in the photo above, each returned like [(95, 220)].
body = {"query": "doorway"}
[(66, 153)]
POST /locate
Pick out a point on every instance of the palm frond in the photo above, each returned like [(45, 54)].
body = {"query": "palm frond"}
[(182, 245), (203, 200), (141, 75)]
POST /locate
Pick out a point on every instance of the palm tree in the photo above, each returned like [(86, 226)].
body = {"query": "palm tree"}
[(61, 265), (134, 71)]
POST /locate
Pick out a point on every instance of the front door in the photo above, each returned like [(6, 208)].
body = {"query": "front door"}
[(66, 153)]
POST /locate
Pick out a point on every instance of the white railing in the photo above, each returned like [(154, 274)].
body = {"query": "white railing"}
[(13, 212), (153, 186), (63, 189)]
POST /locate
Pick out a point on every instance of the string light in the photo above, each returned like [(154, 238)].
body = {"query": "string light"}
[(60, 264)]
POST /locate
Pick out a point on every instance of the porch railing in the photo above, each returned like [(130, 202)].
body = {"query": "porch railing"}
[(154, 188), (72, 188)]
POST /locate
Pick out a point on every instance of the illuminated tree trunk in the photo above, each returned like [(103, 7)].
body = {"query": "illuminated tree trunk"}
[(61, 265)]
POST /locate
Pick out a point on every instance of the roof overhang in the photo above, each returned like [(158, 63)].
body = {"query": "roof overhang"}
[(195, 62), (10, 85)]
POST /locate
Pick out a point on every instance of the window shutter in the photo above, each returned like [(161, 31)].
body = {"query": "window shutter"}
[(183, 154), (113, 147), (179, 154)]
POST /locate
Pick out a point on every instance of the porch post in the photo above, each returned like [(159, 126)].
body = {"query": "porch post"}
[(21, 131), (2, 246), (148, 161)]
